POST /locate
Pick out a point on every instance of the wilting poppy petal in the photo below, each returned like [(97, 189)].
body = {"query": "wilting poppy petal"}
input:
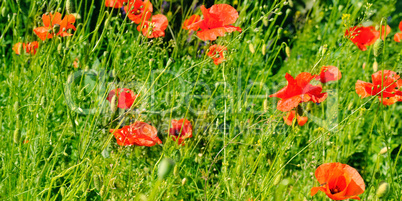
[(18, 47), (302, 120), (329, 73), (125, 97), (181, 130), (216, 53), (191, 23), (338, 181)]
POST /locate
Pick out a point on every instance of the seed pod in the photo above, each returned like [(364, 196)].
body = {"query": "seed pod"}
[(383, 189), (287, 50), (165, 167), (378, 45), (17, 136), (264, 47), (70, 6), (251, 48), (60, 48), (375, 66), (97, 182)]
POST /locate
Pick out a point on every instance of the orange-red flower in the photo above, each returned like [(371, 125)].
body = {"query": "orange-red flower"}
[(115, 3), (288, 118), (191, 23), (391, 83), (55, 26), (125, 97), (365, 36), (398, 36), (216, 22), (154, 28), (216, 53), (297, 91), (139, 11), (339, 181), (181, 130), (29, 48), (329, 73), (138, 133)]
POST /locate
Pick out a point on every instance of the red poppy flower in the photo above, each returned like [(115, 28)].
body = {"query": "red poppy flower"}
[(154, 28), (288, 118), (216, 53), (29, 48), (398, 36), (216, 22), (298, 90), (191, 23), (139, 11), (125, 97), (391, 83), (181, 130), (362, 36), (138, 133), (339, 181), (329, 73), (115, 3), (54, 25)]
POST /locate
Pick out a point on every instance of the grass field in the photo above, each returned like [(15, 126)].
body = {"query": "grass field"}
[(56, 118)]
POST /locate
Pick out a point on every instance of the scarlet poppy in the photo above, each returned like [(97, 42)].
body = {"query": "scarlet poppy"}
[(365, 36), (29, 48), (115, 3), (339, 181), (55, 26), (138, 133), (190, 23), (154, 28), (181, 130), (398, 36), (288, 118), (329, 73), (216, 22), (139, 11), (216, 53), (388, 90), (125, 97), (297, 91)]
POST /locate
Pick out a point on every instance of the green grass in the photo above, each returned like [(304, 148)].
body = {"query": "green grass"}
[(241, 147)]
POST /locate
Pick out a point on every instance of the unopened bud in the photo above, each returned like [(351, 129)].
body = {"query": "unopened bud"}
[(375, 66), (97, 182), (62, 191), (76, 15), (165, 167), (287, 50), (265, 104), (280, 31), (183, 181), (384, 150), (383, 189), (56, 28), (17, 136), (324, 49), (113, 104), (378, 45), (60, 48), (151, 61), (3, 11), (70, 6), (16, 106), (251, 48), (264, 47)]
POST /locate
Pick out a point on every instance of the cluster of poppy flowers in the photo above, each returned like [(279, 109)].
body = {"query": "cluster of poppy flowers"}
[(140, 133), (363, 36), (53, 25), (300, 90)]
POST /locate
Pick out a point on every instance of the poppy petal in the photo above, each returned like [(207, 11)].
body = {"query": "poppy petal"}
[(289, 103), (364, 89), (398, 37), (191, 23), (288, 118), (225, 13), (43, 33)]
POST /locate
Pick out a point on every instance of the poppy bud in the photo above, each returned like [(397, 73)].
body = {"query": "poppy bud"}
[(378, 45), (384, 150), (183, 181), (165, 167), (288, 11), (70, 6), (3, 11), (265, 104), (56, 28), (265, 21), (324, 49), (17, 136), (151, 61), (280, 31), (375, 66), (62, 191), (264, 47), (60, 48), (106, 23), (251, 48), (287, 50), (16, 106), (383, 189), (364, 65), (77, 16), (113, 104), (97, 182), (170, 61)]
